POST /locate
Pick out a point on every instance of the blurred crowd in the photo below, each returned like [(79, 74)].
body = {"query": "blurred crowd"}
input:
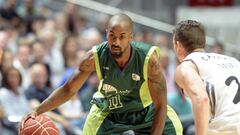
[(42, 48)]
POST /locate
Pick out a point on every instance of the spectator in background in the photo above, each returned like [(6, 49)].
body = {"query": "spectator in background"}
[(217, 47), (13, 39), (1, 54), (37, 25), (39, 91), (22, 63), (7, 60), (69, 51), (28, 9), (1, 46), (3, 130), (81, 22), (53, 55), (162, 41), (8, 13), (73, 111), (168, 70), (138, 36), (71, 13), (167, 59), (5, 34), (102, 25), (12, 98), (60, 28), (3, 43), (144, 36), (89, 38), (39, 56)]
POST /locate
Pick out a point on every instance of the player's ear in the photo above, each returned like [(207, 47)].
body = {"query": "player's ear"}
[(177, 45), (131, 36)]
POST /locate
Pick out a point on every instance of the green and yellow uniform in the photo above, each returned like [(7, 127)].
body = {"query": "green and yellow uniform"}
[(123, 100)]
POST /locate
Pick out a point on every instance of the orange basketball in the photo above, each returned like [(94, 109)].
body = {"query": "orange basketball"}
[(41, 125)]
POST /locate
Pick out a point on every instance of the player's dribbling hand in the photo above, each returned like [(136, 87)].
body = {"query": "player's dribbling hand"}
[(31, 115)]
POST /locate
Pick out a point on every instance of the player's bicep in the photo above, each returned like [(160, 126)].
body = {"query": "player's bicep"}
[(187, 77), (156, 80), (154, 69)]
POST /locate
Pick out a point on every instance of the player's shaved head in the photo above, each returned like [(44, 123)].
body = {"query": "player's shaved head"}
[(121, 20), (119, 35)]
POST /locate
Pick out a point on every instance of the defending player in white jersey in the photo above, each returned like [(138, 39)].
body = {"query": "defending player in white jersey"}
[(212, 81)]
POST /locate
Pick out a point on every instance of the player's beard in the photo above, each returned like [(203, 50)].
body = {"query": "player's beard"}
[(116, 54)]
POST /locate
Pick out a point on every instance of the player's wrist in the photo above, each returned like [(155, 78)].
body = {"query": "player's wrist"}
[(36, 112)]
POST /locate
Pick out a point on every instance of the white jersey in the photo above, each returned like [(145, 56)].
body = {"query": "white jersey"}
[(221, 75)]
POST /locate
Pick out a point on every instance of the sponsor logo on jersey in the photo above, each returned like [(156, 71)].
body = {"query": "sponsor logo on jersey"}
[(109, 89), (135, 77)]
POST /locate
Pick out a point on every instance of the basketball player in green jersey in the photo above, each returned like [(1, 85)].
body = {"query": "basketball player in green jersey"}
[(132, 90)]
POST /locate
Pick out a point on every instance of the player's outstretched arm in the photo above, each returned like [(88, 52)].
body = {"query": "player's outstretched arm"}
[(64, 93), (158, 91), (187, 77), (70, 88)]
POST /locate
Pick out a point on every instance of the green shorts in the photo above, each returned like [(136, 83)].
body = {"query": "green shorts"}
[(103, 123)]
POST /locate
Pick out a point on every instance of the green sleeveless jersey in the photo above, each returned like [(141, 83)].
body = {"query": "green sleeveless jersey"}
[(123, 90)]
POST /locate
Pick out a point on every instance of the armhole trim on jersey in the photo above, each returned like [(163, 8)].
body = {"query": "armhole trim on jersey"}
[(144, 90), (98, 94), (150, 52), (193, 63), (97, 64)]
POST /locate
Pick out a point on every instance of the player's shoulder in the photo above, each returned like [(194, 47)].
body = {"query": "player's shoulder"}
[(141, 48), (140, 45), (88, 58), (185, 67), (101, 49), (88, 63), (101, 46)]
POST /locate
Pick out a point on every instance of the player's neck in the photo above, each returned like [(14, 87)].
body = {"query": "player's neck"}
[(198, 50)]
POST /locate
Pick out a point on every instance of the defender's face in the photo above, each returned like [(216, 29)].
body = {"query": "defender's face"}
[(119, 38)]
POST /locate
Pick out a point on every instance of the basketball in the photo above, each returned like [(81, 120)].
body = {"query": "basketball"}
[(41, 125)]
